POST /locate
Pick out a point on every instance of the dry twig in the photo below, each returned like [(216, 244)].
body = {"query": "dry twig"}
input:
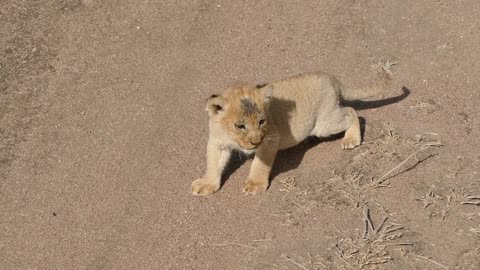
[(423, 148), (294, 262), (432, 261), (473, 200)]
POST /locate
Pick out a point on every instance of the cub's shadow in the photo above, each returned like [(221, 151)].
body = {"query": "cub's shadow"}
[(291, 158), (363, 105), (285, 160)]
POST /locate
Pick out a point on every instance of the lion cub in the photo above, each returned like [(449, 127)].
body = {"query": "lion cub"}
[(279, 115)]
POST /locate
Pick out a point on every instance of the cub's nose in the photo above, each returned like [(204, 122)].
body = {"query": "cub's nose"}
[(256, 142)]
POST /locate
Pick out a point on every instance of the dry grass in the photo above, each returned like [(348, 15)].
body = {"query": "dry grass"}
[(289, 184), (302, 263), (440, 204), (361, 252), (420, 257), (471, 199), (354, 184), (469, 260), (372, 248), (429, 199), (297, 201), (380, 181), (475, 231), (385, 66), (308, 262)]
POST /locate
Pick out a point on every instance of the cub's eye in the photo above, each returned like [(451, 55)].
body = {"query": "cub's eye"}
[(240, 126), (261, 122)]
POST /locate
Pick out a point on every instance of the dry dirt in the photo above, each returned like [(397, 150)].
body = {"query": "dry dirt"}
[(103, 128)]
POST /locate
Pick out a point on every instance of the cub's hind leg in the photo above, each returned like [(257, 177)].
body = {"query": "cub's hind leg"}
[(336, 120), (353, 137)]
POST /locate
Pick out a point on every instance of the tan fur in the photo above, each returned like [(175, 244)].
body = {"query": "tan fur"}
[(292, 109)]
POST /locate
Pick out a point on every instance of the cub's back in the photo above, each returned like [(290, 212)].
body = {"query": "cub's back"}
[(297, 102)]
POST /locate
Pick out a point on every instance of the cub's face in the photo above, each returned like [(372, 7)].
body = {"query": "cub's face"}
[(241, 112)]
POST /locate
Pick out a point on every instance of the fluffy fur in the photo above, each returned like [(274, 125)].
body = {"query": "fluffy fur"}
[(265, 119)]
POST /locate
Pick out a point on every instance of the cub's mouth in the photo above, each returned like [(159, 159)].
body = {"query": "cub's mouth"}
[(250, 146)]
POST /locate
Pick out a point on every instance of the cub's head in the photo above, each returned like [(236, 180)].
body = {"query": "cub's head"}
[(241, 112)]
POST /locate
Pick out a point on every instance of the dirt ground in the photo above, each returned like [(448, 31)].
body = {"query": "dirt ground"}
[(103, 129)]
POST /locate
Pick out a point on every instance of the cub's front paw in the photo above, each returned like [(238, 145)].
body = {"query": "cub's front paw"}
[(253, 187), (202, 187)]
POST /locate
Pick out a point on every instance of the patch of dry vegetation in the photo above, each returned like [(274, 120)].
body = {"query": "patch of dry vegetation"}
[(440, 203), (367, 251), (372, 248), (354, 183)]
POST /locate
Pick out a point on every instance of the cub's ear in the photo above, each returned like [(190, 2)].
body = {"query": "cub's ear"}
[(267, 91), (215, 104)]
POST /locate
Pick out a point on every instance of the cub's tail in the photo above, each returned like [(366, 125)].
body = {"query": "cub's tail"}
[(366, 93)]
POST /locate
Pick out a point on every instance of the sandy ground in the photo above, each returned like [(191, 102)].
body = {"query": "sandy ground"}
[(103, 128)]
